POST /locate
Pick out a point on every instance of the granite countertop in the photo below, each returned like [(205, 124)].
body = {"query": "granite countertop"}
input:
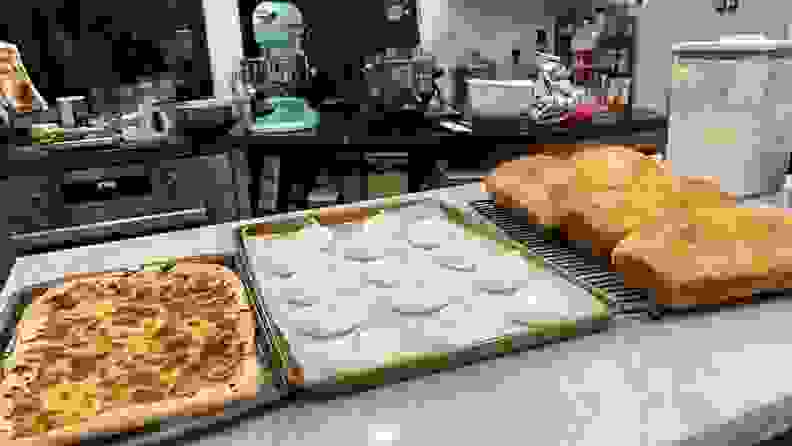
[(709, 379)]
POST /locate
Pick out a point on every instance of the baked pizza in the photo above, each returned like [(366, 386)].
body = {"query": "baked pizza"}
[(110, 353)]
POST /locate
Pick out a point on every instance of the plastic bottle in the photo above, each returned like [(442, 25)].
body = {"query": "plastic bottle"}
[(583, 45)]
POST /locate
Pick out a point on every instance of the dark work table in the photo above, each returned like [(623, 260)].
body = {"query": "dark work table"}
[(24, 160), (367, 132)]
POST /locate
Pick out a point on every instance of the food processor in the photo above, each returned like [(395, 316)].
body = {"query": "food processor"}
[(273, 79)]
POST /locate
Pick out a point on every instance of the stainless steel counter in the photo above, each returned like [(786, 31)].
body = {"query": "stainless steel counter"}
[(715, 379)]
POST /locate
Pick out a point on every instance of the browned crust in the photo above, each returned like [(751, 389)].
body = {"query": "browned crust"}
[(646, 261), (567, 150), (529, 184), (205, 259), (206, 402), (335, 216), (263, 230), (639, 272)]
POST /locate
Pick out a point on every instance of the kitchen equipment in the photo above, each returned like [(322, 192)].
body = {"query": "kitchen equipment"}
[(575, 263), (289, 114), (67, 110), (401, 78), (200, 118), (475, 68), (786, 191), (336, 59), (728, 107), (472, 326), (166, 429), (92, 205), (785, 196), (490, 98), (276, 77)]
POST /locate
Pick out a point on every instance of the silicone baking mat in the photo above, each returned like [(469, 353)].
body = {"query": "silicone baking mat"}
[(353, 296)]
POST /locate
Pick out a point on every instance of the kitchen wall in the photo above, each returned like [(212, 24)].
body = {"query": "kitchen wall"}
[(225, 42), (450, 27), (665, 22)]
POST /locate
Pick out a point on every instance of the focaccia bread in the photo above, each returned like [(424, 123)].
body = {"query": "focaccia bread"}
[(106, 354), (710, 256)]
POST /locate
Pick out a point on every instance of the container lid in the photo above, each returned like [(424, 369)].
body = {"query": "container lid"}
[(737, 43), (505, 84)]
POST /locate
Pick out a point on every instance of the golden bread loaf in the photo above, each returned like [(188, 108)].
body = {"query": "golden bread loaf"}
[(709, 255)]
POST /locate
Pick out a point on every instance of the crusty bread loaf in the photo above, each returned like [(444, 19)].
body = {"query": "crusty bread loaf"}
[(709, 256), (601, 214), (598, 194), (535, 186)]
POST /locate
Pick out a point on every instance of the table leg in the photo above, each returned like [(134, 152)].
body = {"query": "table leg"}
[(256, 165), (419, 169), (296, 169)]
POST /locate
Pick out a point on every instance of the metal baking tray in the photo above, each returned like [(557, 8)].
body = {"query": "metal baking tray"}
[(395, 346), (157, 431), (576, 261)]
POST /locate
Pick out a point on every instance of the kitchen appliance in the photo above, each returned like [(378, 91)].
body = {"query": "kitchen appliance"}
[(380, 46), (200, 118), (98, 204), (728, 106), (279, 73), (476, 67), (401, 78), (68, 108)]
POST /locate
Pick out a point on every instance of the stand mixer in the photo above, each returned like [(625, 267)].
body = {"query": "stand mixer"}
[(273, 79)]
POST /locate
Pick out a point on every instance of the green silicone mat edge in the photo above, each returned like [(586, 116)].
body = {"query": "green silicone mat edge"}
[(401, 360), (280, 230)]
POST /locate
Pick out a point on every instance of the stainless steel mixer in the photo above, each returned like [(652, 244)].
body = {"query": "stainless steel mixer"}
[(400, 77)]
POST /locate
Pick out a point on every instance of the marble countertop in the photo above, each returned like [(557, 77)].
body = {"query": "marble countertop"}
[(706, 379)]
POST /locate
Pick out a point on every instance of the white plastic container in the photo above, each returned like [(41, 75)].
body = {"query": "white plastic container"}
[(728, 112), (501, 98)]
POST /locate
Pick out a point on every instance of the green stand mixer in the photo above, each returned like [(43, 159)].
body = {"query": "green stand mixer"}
[(275, 76)]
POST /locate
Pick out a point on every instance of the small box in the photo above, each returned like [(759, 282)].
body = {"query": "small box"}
[(501, 98)]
